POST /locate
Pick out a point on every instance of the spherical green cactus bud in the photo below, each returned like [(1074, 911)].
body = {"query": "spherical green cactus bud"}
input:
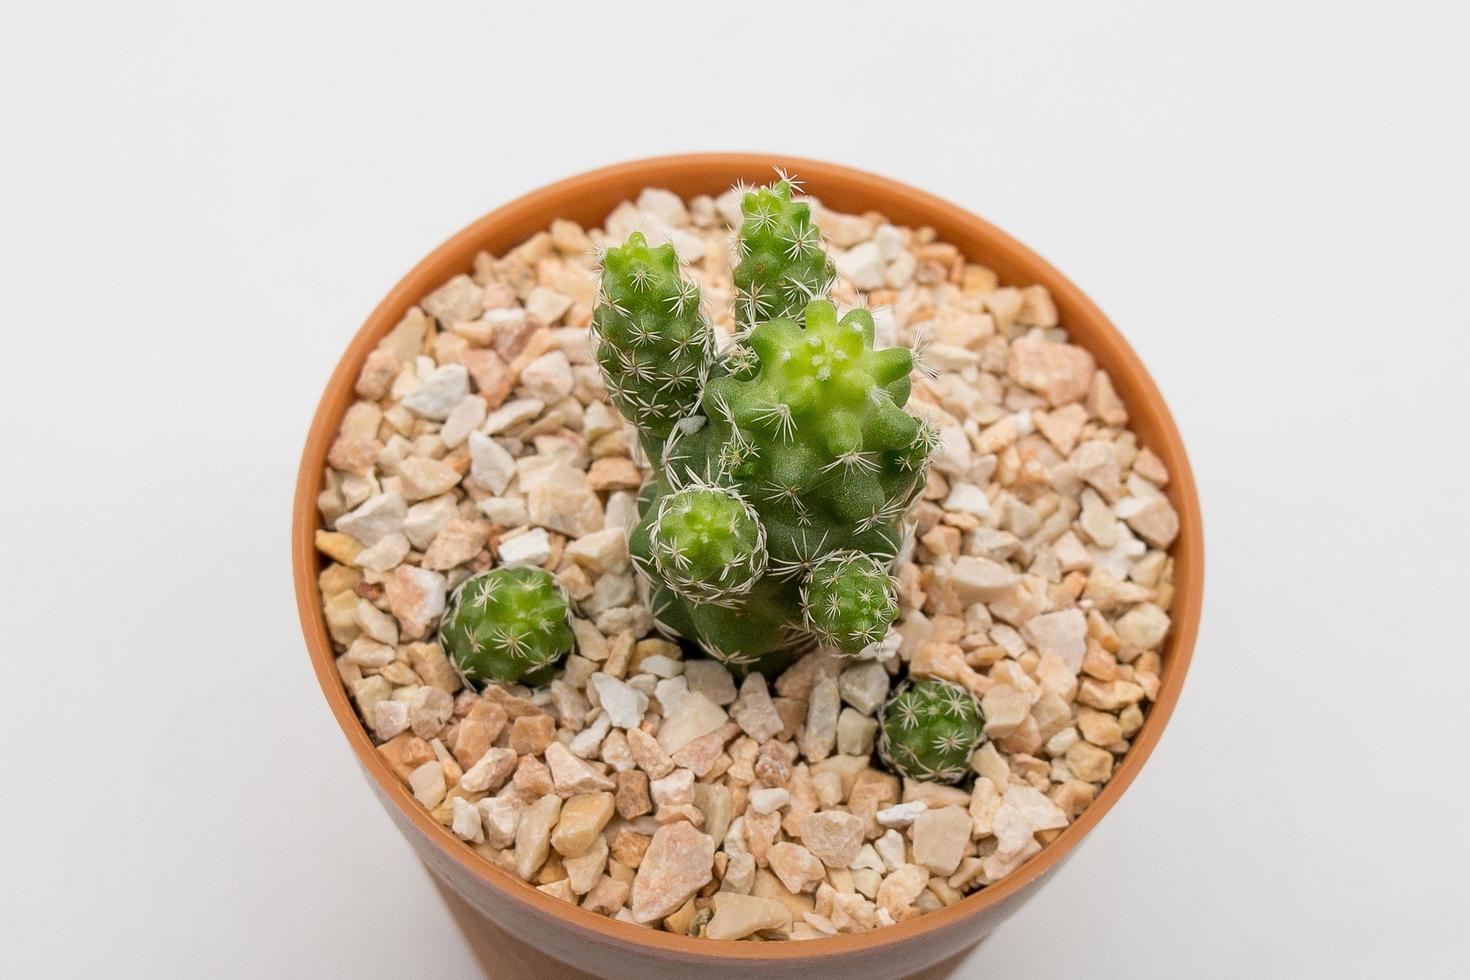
[(507, 624), (783, 265), (707, 543), (849, 600), (930, 728), (653, 343)]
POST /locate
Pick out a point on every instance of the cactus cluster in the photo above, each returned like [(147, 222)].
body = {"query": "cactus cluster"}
[(930, 729), (507, 624), (783, 466)]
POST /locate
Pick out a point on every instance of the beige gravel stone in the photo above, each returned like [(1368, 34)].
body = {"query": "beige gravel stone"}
[(1156, 522), (499, 818), (422, 478), (856, 732), (607, 897), (1089, 763), (833, 836), (737, 916), (1062, 633), (798, 868), (1144, 626), (754, 711), (679, 861), (563, 502), (582, 818), (1060, 373), (1005, 708), (375, 518), (533, 835), (460, 541), (531, 734), (819, 737), (573, 775), (427, 783), (429, 709), (900, 889), (585, 870), (940, 837), (416, 597), (976, 579), (490, 771), (696, 715)]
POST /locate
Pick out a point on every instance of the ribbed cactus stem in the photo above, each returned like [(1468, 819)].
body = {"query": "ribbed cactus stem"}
[(849, 600), (507, 624), (653, 343), (783, 265), (929, 730)]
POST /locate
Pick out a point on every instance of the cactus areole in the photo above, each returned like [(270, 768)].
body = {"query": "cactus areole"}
[(783, 465)]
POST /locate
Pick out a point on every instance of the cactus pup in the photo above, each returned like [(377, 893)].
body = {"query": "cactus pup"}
[(929, 730), (782, 467), (507, 624)]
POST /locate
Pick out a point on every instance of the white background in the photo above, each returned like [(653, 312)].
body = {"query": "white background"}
[(199, 204)]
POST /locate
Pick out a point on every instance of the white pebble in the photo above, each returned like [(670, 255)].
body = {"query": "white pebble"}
[(901, 814), (769, 799)]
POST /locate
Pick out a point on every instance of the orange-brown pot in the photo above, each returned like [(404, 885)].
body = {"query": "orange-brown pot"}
[(608, 948)]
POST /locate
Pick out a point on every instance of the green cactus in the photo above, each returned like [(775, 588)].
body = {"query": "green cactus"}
[(507, 624), (708, 543), (930, 729), (783, 265), (653, 342), (848, 600), (777, 503)]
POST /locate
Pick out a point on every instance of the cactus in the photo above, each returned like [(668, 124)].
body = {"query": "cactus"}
[(507, 624), (930, 728), (783, 265), (653, 343), (776, 507), (848, 601)]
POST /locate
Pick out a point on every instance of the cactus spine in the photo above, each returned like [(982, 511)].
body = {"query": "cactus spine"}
[(929, 730), (776, 508), (507, 624)]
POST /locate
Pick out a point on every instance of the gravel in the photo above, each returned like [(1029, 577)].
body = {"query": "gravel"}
[(669, 793)]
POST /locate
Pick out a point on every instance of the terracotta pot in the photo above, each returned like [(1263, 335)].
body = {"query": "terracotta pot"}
[(605, 947)]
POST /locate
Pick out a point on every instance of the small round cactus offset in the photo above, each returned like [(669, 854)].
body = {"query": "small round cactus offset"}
[(708, 543), (507, 624), (849, 600), (930, 728)]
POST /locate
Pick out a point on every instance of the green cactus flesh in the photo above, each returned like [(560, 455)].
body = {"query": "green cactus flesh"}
[(653, 343), (776, 505), (507, 624), (930, 729), (783, 265), (848, 600), (708, 544), (816, 445)]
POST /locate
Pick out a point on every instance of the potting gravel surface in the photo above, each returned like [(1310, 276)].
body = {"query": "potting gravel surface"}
[(659, 789)]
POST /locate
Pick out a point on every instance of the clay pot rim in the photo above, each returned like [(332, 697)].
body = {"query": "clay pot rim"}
[(846, 189)]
